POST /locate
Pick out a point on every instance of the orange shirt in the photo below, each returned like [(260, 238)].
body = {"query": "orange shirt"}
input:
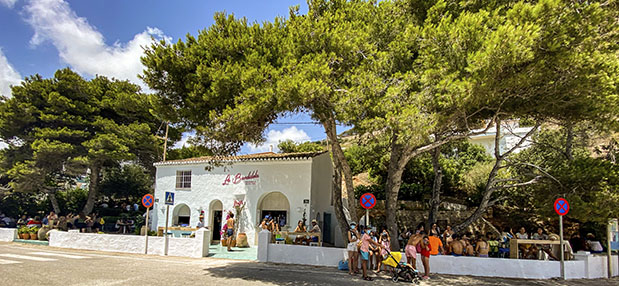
[(435, 242)]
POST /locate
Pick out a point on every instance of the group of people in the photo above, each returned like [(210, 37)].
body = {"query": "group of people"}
[(84, 223), (306, 239), (367, 248)]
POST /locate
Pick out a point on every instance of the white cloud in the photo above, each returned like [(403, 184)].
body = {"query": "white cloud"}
[(83, 47), (8, 3), (8, 76), (274, 137)]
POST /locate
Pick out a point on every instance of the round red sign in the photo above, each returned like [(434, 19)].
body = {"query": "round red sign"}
[(561, 206), (147, 200), (367, 201)]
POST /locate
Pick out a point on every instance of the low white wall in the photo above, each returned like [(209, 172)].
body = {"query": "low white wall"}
[(596, 266), (307, 255), (503, 267), (8, 234), (587, 266), (187, 247)]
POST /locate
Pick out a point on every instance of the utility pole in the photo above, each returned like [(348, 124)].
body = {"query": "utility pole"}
[(165, 139)]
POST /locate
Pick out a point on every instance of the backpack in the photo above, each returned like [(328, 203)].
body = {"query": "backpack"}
[(343, 265)]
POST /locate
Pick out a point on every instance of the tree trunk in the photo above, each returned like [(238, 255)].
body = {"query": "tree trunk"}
[(491, 183), (489, 189), (436, 187), (95, 177), (54, 201), (346, 172), (329, 125), (392, 188)]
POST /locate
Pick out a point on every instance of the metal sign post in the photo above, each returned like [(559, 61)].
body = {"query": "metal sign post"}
[(147, 202), (562, 207), (561, 247), (169, 200), (146, 234), (165, 234)]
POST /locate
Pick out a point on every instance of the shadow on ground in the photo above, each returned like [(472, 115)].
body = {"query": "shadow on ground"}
[(285, 274)]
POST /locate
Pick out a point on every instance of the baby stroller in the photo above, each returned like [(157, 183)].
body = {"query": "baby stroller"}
[(401, 270)]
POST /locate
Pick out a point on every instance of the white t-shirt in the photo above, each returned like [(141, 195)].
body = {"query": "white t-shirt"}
[(522, 236)]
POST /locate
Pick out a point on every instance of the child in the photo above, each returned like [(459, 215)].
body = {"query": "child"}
[(425, 255)]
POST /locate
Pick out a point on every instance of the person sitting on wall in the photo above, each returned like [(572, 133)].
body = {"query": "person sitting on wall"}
[(593, 245), (456, 247)]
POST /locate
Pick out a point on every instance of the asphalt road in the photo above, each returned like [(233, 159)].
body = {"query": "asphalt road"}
[(22, 264)]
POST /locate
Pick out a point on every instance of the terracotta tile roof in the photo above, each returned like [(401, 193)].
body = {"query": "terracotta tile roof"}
[(266, 156)]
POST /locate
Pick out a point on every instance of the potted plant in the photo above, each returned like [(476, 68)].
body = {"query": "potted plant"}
[(34, 233), (23, 232), (241, 238)]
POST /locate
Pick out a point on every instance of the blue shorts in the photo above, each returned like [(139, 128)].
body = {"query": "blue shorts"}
[(365, 255), (230, 232)]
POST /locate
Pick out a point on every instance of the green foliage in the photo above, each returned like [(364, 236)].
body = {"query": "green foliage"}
[(191, 151), (290, 146), (590, 184), (23, 229), (71, 200), (460, 163), (127, 182), (57, 128)]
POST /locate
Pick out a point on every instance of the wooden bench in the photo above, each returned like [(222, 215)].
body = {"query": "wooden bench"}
[(288, 233), (513, 244)]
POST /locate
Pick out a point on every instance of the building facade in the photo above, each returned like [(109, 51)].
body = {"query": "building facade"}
[(287, 187)]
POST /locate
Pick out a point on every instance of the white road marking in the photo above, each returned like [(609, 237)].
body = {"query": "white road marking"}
[(2, 261), (27, 257), (58, 254)]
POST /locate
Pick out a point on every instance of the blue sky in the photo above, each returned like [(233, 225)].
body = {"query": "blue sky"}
[(105, 37)]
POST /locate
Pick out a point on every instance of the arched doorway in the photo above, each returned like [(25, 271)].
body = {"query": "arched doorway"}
[(181, 215), (215, 217), (276, 205)]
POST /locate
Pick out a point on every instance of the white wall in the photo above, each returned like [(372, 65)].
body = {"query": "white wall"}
[(290, 177), (443, 264), (321, 199), (8, 234), (187, 247)]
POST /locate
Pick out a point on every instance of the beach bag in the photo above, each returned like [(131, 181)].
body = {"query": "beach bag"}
[(343, 265)]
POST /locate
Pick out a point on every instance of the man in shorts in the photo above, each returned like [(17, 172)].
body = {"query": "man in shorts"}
[(411, 249), (230, 230)]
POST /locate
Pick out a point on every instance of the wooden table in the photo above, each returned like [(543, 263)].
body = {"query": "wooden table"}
[(287, 233), (513, 244)]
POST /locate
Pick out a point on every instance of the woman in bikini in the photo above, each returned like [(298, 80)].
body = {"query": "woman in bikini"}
[(482, 247)]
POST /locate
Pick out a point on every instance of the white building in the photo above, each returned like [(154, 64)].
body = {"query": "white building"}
[(287, 186), (511, 133)]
